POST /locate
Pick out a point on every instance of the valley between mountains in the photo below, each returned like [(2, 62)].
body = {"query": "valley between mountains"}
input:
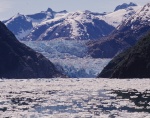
[(81, 43), (81, 64)]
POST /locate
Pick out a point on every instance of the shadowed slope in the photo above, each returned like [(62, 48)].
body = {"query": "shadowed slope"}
[(19, 61), (133, 63)]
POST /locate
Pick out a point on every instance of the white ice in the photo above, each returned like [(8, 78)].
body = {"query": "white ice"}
[(70, 56), (68, 98)]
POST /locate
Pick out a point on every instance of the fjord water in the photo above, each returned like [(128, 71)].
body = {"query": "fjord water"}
[(69, 98)]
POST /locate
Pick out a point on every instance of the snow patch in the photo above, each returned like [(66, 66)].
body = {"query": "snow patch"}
[(142, 14), (23, 33), (117, 17)]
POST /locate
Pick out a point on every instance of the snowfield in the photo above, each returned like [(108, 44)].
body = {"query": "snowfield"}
[(69, 98), (116, 18), (70, 57)]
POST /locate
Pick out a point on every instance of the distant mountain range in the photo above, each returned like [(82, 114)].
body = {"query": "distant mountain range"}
[(125, 35), (22, 25), (81, 25), (113, 31), (135, 61), (105, 35), (50, 25), (76, 25)]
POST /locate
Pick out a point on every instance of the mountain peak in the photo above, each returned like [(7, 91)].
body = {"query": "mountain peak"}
[(87, 11), (125, 5), (63, 11), (49, 10), (142, 15), (18, 15), (147, 5)]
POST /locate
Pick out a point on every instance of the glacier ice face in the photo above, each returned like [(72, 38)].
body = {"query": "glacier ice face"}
[(70, 57), (81, 67), (59, 48)]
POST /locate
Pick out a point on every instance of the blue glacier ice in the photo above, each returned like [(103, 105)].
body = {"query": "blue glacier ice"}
[(70, 56)]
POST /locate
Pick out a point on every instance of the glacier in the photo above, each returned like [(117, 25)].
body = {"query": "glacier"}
[(70, 57)]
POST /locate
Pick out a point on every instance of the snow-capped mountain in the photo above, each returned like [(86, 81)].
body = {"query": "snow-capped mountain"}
[(21, 25), (44, 16), (136, 26), (126, 35), (48, 25), (76, 25), (74, 57), (83, 25), (141, 18), (125, 5), (118, 16)]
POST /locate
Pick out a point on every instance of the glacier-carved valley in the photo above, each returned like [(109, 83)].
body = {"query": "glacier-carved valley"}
[(70, 56)]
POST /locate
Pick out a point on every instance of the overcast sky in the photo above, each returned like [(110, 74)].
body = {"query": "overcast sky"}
[(9, 8)]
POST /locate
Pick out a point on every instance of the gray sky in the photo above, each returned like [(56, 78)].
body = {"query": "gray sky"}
[(9, 8)]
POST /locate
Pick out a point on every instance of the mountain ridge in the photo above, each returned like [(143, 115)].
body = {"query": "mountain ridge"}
[(132, 63), (125, 35), (19, 61), (76, 26), (124, 6)]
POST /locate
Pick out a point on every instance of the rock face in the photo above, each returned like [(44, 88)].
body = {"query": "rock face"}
[(19, 61), (105, 48), (133, 63), (124, 6), (19, 25), (125, 36), (49, 14)]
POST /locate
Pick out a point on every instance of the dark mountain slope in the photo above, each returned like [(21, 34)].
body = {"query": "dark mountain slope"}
[(124, 6), (126, 35), (133, 63), (19, 61)]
